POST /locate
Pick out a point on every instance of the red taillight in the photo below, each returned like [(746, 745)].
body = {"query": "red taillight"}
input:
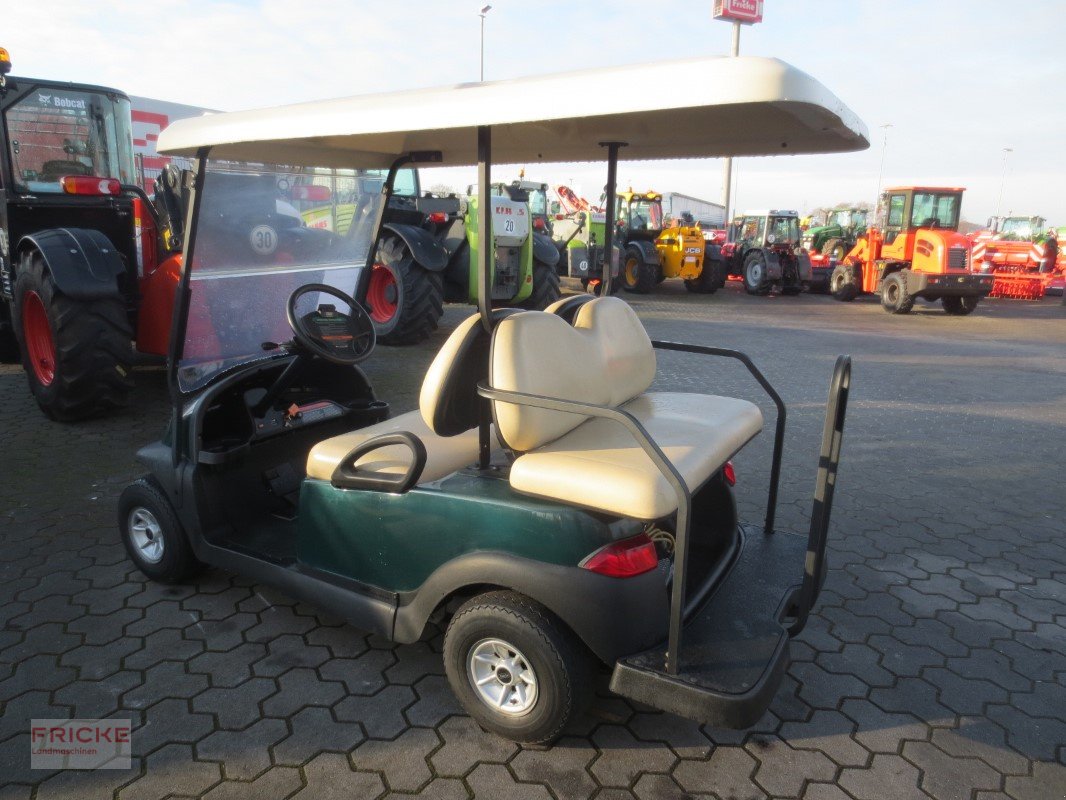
[(624, 559), (560, 216), (438, 217), (311, 192), (729, 473), (86, 184), (538, 223)]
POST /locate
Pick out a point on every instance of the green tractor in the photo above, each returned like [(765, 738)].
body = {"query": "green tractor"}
[(843, 226), (579, 238), (427, 255)]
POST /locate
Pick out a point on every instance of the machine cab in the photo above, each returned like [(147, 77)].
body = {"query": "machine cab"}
[(906, 209)]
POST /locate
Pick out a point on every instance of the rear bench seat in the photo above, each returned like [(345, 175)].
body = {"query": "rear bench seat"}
[(605, 358)]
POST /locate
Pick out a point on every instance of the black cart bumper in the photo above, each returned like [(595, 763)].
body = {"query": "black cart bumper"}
[(736, 646)]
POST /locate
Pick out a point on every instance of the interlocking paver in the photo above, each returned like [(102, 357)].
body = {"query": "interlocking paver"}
[(931, 667), (330, 777)]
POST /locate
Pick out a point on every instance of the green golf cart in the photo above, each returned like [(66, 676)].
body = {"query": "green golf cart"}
[(555, 511)]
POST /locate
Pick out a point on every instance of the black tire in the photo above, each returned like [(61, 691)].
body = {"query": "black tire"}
[(638, 276), (90, 344), (545, 287), (143, 504), (960, 306), (842, 284), (837, 248), (561, 664), (754, 274), (895, 299), (708, 281), (419, 297)]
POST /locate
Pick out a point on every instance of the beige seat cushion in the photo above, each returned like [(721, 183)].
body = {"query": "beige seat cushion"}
[(605, 358), (600, 466), (445, 454)]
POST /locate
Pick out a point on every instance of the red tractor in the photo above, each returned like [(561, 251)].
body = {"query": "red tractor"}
[(83, 269)]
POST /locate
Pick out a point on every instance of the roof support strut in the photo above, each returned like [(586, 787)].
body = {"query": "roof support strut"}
[(484, 225), (485, 260), (609, 215)]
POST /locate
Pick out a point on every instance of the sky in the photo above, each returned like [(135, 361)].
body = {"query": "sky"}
[(958, 80)]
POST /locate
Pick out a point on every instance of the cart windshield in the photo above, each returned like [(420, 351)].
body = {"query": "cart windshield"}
[(52, 133), (261, 231)]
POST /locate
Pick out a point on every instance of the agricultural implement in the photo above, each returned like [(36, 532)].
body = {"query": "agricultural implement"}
[(1012, 250)]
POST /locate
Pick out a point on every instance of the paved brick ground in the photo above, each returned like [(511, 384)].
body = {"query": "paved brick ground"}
[(934, 666)]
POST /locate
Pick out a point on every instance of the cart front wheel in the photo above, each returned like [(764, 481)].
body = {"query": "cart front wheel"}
[(515, 667), (152, 534)]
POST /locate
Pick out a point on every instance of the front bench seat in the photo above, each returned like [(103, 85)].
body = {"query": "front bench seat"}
[(446, 419), (606, 358)]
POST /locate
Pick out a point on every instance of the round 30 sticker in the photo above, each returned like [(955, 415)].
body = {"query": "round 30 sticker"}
[(264, 239)]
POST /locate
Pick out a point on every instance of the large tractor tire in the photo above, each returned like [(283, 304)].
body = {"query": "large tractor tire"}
[(77, 353), (638, 275), (754, 275), (708, 281), (545, 287), (405, 301), (960, 306), (842, 284), (835, 248), (895, 298)]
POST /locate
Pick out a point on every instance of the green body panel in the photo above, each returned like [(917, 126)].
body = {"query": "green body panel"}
[(822, 234), (525, 273), (591, 232), (396, 541)]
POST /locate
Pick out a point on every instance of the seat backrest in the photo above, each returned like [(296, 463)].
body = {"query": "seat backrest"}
[(605, 358), (449, 400)]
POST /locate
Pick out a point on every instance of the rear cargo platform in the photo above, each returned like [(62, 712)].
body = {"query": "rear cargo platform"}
[(735, 647)]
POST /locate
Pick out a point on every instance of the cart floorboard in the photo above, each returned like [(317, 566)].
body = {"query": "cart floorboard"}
[(734, 649)]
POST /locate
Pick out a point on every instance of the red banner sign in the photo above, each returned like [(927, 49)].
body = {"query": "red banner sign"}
[(746, 12)]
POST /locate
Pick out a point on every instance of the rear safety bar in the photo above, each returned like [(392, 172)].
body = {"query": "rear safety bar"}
[(823, 494)]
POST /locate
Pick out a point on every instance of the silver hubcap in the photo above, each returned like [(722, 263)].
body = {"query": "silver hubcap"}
[(755, 274), (146, 534), (502, 677)]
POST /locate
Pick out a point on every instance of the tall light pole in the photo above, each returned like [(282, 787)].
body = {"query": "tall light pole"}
[(483, 13), (881, 171), (1003, 181), (727, 167)]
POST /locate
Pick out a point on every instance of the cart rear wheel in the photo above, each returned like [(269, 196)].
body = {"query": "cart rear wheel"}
[(515, 667), (960, 306), (153, 535)]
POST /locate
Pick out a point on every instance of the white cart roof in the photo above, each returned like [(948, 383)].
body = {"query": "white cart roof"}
[(696, 108)]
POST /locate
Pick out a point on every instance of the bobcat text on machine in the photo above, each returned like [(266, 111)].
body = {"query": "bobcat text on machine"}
[(560, 513)]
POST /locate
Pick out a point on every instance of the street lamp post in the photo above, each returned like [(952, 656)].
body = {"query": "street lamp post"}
[(483, 13), (1003, 182), (727, 167), (881, 170)]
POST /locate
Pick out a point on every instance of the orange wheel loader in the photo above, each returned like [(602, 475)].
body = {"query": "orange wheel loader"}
[(914, 252)]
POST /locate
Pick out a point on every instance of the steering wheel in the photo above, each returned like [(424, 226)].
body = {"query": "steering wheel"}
[(328, 333)]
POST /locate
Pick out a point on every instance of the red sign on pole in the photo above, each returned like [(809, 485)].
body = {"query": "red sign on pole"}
[(746, 12)]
